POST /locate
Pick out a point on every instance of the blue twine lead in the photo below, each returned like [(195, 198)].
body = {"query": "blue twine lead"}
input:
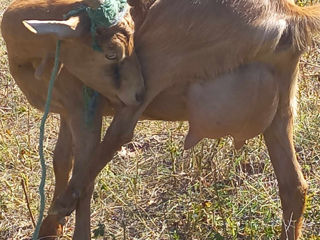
[(41, 138)]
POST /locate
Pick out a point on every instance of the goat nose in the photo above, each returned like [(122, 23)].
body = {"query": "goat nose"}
[(140, 97)]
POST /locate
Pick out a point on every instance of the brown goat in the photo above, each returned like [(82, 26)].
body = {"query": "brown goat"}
[(228, 67)]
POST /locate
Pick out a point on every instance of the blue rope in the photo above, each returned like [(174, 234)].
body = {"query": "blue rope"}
[(41, 138)]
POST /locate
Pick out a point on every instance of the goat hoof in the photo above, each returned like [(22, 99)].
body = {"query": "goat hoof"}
[(51, 228), (65, 204), (62, 221)]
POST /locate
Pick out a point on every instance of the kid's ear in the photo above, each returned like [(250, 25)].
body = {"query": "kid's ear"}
[(71, 28)]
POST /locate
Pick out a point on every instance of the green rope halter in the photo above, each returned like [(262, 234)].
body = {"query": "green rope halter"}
[(109, 13), (106, 15)]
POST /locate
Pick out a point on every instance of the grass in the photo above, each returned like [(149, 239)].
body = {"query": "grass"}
[(155, 190)]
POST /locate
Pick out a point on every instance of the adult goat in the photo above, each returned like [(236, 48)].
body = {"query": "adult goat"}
[(228, 67)]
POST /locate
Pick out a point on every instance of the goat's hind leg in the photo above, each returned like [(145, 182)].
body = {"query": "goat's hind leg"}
[(62, 165), (23, 72), (85, 139), (292, 185)]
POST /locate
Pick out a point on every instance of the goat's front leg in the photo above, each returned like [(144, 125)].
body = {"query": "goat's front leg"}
[(119, 133), (86, 139), (292, 184), (51, 227)]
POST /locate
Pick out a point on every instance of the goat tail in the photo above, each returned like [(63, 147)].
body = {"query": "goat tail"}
[(302, 22)]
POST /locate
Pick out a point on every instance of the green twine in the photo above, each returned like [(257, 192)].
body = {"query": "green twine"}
[(106, 15), (109, 13), (41, 138)]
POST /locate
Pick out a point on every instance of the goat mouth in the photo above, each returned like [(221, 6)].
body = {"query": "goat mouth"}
[(118, 101), (131, 99)]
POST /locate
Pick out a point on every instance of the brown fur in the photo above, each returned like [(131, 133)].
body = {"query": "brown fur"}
[(304, 21), (180, 44)]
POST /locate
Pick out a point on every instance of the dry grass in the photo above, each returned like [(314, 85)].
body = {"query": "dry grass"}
[(155, 190)]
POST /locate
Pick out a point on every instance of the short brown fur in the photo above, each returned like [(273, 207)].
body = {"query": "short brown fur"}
[(180, 44)]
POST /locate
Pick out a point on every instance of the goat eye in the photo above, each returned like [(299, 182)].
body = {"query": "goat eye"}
[(111, 56)]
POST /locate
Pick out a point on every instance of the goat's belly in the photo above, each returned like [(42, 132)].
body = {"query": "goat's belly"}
[(170, 105), (67, 91), (241, 104)]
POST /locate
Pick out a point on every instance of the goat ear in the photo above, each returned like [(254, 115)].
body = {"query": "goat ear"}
[(71, 28)]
